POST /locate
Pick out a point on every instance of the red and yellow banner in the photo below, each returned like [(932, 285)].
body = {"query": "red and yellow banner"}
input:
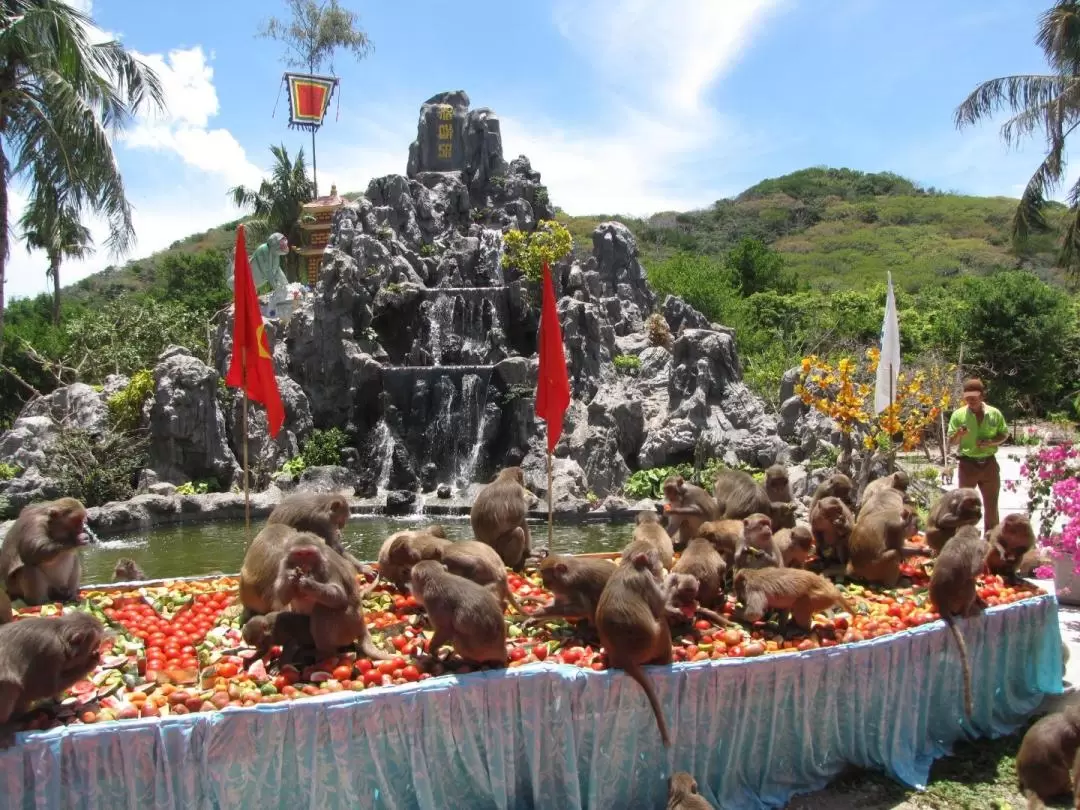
[(309, 98)]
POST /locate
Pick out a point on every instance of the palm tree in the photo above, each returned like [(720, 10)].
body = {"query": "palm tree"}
[(60, 97), (278, 203), (1049, 102), (54, 226)]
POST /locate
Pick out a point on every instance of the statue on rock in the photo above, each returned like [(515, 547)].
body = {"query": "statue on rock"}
[(266, 269)]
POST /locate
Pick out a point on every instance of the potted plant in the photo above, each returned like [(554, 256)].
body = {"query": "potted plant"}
[(1052, 474)]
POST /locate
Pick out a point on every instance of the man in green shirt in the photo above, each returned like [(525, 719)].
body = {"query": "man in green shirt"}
[(979, 429)]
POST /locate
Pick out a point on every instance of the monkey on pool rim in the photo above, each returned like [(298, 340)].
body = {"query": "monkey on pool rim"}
[(39, 558)]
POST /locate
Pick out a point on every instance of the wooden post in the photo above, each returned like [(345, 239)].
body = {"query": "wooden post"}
[(551, 503)]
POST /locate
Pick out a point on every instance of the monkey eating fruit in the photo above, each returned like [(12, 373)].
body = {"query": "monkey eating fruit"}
[(127, 570), (802, 593), (462, 613), (498, 517), (959, 507), (39, 558), (1045, 756)]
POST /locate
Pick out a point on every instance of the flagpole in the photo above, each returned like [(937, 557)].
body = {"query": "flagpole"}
[(551, 498), (244, 419), (892, 401)]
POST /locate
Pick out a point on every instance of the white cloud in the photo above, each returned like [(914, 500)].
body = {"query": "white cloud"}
[(658, 61)]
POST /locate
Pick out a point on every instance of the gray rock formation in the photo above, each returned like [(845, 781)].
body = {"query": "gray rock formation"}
[(266, 454), (187, 429)]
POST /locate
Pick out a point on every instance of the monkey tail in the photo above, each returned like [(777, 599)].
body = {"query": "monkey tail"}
[(964, 663), (1033, 801), (634, 670), (368, 648), (513, 600), (372, 585)]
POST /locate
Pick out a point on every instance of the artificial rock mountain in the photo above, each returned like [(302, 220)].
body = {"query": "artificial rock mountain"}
[(421, 346)]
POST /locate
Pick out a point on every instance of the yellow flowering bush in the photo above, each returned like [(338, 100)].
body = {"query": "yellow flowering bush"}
[(845, 393)]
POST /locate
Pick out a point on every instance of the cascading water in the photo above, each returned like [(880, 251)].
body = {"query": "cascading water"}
[(491, 254), (384, 441), (442, 324), (474, 394)]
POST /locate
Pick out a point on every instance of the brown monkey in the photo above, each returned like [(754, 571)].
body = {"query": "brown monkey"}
[(803, 593), (757, 547), (777, 484), (6, 614), (289, 629), (462, 613), (738, 495), (1046, 753), (683, 793), (576, 584), (960, 507), (688, 506), (648, 528), (898, 480), (725, 535), (43, 657), (831, 523), (394, 573), (498, 517), (315, 580), (324, 515), (39, 559), (706, 564), (953, 590), (127, 570), (681, 601), (259, 571), (632, 624), (877, 545), (836, 485), (1009, 541), (794, 545)]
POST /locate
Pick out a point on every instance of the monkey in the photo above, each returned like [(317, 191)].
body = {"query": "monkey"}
[(290, 630), (1046, 753), (1009, 542), (498, 517), (683, 793), (794, 546), (803, 593), (688, 506), (127, 570), (757, 548), (898, 480), (462, 613), (43, 657), (960, 507), (632, 624), (395, 573), (681, 601), (39, 558), (777, 484), (738, 495), (324, 515), (953, 589), (648, 528), (259, 571), (831, 523), (706, 564), (725, 535), (877, 544), (6, 614), (471, 559), (576, 584), (315, 580), (836, 485)]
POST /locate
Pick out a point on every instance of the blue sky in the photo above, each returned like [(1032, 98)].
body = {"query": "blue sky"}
[(628, 106)]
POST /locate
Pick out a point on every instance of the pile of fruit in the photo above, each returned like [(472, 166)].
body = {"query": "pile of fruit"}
[(176, 648)]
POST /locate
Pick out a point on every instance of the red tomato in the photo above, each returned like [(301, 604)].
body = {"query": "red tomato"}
[(227, 670), (372, 678), (540, 651), (364, 665), (342, 673), (410, 673), (386, 667)]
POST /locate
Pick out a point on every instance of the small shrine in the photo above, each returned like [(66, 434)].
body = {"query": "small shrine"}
[(316, 218)]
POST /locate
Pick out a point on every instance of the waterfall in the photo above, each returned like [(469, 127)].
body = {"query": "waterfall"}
[(384, 444), (442, 322), (491, 254), (474, 396)]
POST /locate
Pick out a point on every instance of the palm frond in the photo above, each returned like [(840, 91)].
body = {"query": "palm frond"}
[(1017, 93), (1059, 36)]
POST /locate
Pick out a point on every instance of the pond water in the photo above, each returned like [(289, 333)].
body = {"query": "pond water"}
[(205, 548)]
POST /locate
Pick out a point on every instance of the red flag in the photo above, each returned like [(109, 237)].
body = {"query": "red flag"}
[(553, 383), (252, 365)]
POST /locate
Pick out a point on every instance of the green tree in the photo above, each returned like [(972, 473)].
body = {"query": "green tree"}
[(195, 281), (315, 32), (53, 226), (60, 96), (702, 281), (278, 203), (1048, 102), (1016, 328), (755, 267)]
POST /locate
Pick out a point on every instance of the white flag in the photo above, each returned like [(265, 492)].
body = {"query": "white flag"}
[(889, 363)]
